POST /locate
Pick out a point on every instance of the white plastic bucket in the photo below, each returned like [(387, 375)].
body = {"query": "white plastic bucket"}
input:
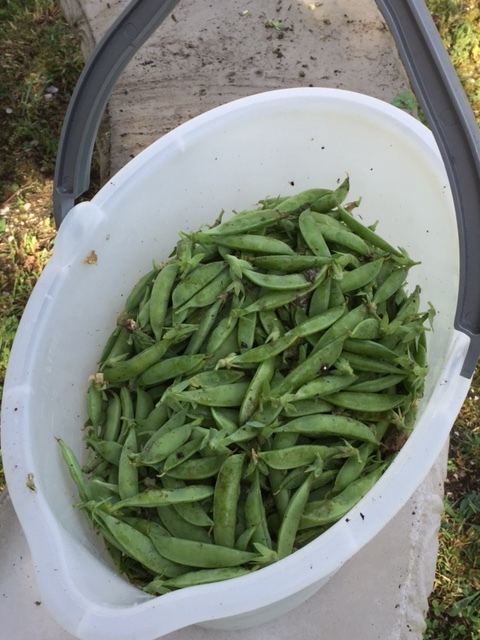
[(273, 143)]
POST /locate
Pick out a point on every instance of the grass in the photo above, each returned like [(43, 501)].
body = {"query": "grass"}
[(41, 62)]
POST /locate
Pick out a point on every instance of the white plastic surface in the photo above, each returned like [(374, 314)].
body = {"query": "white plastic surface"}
[(274, 143)]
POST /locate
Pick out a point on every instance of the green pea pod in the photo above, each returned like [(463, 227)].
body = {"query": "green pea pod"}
[(324, 424), (255, 514), (294, 409), (366, 402), (291, 519), (139, 546), (220, 333), (361, 276), (198, 554), (367, 234), (225, 500), (250, 243), (215, 378), (391, 285), (295, 281), (245, 222), (206, 576), (372, 365), (111, 428), (75, 470), (195, 281), (121, 349), (329, 201), (194, 513), (155, 419), (160, 297), (310, 368), (183, 453), (343, 326), (107, 449), (127, 472), (204, 327), (320, 299), (138, 292), (312, 235), (345, 238), (320, 322), (301, 455), (178, 527), (330, 510), (368, 329), (143, 405), (95, 403), (198, 469), (123, 371), (353, 466), (170, 368), (323, 386), (289, 263), (227, 395), (275, 299), (209, 294), (251, 401), (369, 348), (300, 201), (264, 351), (161, 446), (246, 327), (378, 383), (159, 497)]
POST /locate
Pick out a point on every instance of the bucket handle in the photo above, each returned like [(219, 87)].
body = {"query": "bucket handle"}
[(448, 113), (433, 79), (116, 48)]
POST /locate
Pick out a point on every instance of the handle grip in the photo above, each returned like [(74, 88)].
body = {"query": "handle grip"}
[(448, 113), (116, 48)]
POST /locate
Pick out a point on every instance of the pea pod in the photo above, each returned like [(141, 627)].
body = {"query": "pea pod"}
[(323, 425), (332, 509), (225, 395), (289, 282), (300, 455), (312, 235), (225, 500), (251, 243), (292, 518), (158, 497), (366, 402), (160, 297), (289, 263), (367, 234), (178, 527), (198, 554), (245, 222), (195, 281), (361, 276)]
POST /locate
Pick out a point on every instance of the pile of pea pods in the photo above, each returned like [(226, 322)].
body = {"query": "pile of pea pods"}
[(255, 388)]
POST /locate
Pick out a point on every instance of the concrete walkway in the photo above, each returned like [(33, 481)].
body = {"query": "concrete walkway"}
[(206, 54)]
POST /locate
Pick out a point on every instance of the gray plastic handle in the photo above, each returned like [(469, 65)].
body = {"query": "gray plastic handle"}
[(434, 81), (116, 48), (448, 113)]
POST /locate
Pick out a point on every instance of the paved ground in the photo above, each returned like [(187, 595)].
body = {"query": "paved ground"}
[(206, 54)]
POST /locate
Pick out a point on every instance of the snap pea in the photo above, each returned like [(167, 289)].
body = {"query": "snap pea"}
[(195, 281), (361, 276), (170, 368), (198, 469), (208, 294), (369, 348), (320, 299), (254, 244), (365, 401), (332, 509), (206, 576), (299, 455), (111, 428), (95, 403), (178, 527), (367, 234), (162, 445), (245, 222), (127, 472), (225, 500), (198, 554), (312, 235), (390, 285), (291, 519), (251, 400), (255, 514), (158, 497), (246, 327), (378, 383), (225, 395), (289, 263), (322, 425), (139, 546), (323, 386), (288, 282), (160, 297), (138, 292), (75, 470)]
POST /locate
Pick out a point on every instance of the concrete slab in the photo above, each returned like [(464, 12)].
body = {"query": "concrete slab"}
[(206, 54)]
